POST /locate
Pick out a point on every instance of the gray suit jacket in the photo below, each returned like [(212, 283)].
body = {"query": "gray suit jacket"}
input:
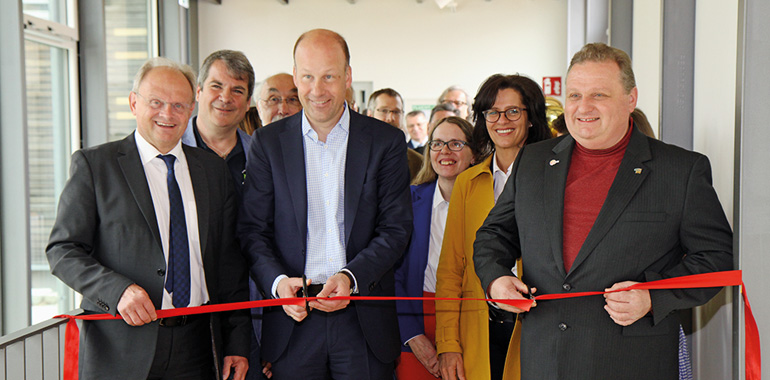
[(661, 219), (106, 238)]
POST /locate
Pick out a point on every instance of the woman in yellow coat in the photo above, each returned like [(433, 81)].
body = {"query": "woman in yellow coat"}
[(509, 111)]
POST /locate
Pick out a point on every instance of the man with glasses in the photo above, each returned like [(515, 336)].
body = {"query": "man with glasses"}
[(457, 97), (387, 105), (148, 223), (277, 98)]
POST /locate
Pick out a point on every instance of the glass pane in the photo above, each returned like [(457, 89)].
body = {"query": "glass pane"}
[(49, 150), (128, 37), (51, 10)]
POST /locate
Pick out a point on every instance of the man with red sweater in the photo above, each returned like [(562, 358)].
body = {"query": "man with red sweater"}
[(603, 208)]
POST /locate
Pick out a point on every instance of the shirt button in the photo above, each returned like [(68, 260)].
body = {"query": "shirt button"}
[(562, 326), (567, 287), (161, 272)]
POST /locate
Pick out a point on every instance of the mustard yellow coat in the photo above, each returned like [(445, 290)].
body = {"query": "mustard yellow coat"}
[(464, 326)]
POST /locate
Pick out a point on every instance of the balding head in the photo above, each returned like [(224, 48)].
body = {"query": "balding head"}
[(277, 98), (322, 75)]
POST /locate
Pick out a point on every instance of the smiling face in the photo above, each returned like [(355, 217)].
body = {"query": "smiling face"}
[(597, 107), (223, 100), (322, 77), (164, 126), (446, 163), (280, 86), (506, 134)]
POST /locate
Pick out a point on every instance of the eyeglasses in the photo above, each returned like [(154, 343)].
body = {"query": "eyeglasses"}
[(385, 111), (453, 145), (457, 103), (512, 114), (273, 101), (158, 104)]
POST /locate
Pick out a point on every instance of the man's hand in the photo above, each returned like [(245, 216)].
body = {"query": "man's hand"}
[(509, 287), (287, 288), (425, 352), (628, 306), (240, 364), (135, 306), (336, 286), (451, 364), (266, 369)]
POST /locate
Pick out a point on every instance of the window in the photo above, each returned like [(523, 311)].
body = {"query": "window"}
[(130, 41), (50, 61)]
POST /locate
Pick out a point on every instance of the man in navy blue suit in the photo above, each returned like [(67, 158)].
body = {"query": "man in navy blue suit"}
[(327, 197)]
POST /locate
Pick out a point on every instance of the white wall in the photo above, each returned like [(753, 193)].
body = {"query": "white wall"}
[(647, 58), (417, 49), (716, 44)]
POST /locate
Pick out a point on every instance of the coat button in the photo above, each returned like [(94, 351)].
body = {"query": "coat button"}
[(161, 272), (562, 326), (567, 287)]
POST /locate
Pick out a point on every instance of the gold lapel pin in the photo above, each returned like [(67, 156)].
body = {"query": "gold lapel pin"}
[(553, 162), (638, 171)]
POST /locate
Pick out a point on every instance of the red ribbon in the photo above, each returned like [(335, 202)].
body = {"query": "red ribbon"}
[(706, 280)]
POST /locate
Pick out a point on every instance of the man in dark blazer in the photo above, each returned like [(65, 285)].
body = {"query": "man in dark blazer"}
[(604, 208), (327, 196), (111, 243)]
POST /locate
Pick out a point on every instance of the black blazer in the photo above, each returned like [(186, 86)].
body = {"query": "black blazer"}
[(661, 219), (106, 238), (378, 221)]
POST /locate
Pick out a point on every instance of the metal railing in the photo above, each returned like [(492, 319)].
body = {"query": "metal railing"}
[(36, 352)]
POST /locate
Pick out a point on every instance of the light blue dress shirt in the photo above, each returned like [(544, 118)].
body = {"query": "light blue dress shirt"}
[(325, 176)]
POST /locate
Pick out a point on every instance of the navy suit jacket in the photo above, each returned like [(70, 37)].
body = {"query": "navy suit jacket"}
[(273, 221), (410, 271)]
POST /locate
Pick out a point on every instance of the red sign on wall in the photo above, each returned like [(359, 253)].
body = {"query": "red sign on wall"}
[(552, 86)]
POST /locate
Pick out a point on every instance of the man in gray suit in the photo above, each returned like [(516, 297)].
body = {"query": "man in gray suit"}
[(147, 223), (603, 208)]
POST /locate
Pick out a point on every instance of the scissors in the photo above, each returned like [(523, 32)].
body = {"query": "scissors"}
[(304, 293)]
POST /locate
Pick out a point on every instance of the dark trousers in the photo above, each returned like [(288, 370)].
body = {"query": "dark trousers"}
[(330, 346), (183, 352), (499, 339)]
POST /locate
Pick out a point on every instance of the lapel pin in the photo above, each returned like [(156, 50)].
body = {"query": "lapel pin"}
[(553, 162), (638, 171)]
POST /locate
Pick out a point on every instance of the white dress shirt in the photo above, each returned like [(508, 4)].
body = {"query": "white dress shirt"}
[(156, 171), (438, 217), (500, 176)]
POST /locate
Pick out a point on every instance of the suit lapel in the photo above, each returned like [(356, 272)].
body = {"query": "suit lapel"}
[(556, 168), (200, 182), (131, 165), (294, 164), (358, 154), (631, 174), (423, 210)]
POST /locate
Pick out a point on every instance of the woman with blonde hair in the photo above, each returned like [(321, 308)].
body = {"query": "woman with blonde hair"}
[(449, 153)]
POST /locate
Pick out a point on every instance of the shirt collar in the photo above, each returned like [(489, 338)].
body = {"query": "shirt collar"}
[(343, 123), (438, 199), (496, 168), (147, 152)]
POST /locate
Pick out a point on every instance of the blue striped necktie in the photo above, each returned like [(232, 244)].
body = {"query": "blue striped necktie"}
[(178, 268)]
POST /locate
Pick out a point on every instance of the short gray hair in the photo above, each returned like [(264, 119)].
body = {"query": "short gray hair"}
[(600, 52), (238, 66), (157, 62)]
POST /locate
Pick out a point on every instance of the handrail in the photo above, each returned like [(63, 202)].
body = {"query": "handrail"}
[(26, 332)]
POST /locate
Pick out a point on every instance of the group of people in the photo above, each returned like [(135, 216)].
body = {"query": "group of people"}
[(317, 203)]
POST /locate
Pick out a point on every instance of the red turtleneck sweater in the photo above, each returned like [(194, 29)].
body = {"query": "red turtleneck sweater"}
[(591, 173)]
